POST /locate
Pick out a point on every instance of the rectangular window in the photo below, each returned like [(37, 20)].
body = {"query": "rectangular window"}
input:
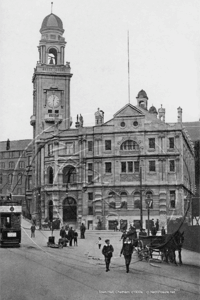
[(90, 196), (136, 166), (69, 148), (123, 167), (2, 165), (107, 144), (49, 111), (19, 179), (50, 149), (152, 166), (21, 164), (130, 166), (171, 143), (1, 178), (152, 143), (90, 166), (172, 166), (90, 178), (29, 160), (29, 182), (90, 145), (108, 167), (90, 210), (172, 199), (11, 154), (56, 111), (11, 165)]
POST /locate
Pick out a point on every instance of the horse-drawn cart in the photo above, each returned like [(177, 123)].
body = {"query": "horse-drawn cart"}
[(160, 248), (149, 247)]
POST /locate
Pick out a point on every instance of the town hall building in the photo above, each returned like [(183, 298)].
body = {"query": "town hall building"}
[(112, 171)]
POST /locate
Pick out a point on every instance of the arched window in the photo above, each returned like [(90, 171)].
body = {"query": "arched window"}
[(149, 196), (69, 174), (52, 57), (50, 175), (136, 198), (112, 203), (129, 145), (123, 200), (10, 178)]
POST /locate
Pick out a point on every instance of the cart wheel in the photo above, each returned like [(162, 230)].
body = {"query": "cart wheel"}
[(60, 246)]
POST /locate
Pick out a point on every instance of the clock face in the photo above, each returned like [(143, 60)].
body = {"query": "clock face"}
[(53, 101)]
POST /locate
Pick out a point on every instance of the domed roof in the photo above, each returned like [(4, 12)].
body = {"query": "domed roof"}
[(52, 22), (153, 110), (142, 94)]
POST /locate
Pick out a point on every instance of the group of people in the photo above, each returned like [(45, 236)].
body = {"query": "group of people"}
[(69, 236)]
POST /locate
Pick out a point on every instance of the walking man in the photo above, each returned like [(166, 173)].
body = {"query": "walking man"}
[(107, 251), (127, 250)]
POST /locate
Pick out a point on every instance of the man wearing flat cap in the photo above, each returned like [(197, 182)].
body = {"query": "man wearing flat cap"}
[(107, 252)]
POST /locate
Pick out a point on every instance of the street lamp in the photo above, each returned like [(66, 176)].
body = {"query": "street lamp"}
[(149, 204)]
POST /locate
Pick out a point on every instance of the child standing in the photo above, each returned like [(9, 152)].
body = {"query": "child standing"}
[(75, 238), (99, 243)]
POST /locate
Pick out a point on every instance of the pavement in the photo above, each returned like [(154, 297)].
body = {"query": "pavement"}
[(189, 258)]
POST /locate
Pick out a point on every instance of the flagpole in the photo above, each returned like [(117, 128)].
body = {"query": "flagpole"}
[(128, 69)]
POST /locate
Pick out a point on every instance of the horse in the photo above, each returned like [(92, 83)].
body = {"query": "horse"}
[(174, 242)]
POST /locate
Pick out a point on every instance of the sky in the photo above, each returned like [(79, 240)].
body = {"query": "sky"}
[(164, 47)]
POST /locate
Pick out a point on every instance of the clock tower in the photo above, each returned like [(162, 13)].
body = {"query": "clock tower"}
[(51, 103), (51, 80)]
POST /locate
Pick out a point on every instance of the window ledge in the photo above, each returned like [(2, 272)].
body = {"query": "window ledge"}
[(151, 150)]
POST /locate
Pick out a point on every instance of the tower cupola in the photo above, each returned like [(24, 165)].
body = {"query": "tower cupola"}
[(52, 43)]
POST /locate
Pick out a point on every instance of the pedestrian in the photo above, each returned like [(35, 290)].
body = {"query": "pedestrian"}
[(63, 236), (33, 230), (62, 232), (75, 238), (157, 225), (163, 231), (153, 230), (82, 229), (99, 242), (107, 251), (127, 250), (70, 236)]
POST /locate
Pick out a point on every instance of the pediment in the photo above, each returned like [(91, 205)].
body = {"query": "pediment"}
[(128, 111)]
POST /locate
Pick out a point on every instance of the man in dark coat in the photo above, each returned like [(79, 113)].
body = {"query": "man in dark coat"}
[(82, 229), (127, 250), (107, 251), (70, 235)]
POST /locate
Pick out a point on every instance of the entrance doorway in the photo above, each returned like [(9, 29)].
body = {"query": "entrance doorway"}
[(50, 210), (69, 210)]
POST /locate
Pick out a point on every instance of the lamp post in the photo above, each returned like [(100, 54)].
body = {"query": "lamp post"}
[(149, 203)]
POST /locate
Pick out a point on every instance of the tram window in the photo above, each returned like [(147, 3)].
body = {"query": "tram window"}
[(5, 222)]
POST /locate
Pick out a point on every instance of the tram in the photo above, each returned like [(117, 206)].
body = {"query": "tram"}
[(10, 222)]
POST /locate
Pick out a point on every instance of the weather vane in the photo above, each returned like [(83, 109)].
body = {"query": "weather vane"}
[(51, 7)]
